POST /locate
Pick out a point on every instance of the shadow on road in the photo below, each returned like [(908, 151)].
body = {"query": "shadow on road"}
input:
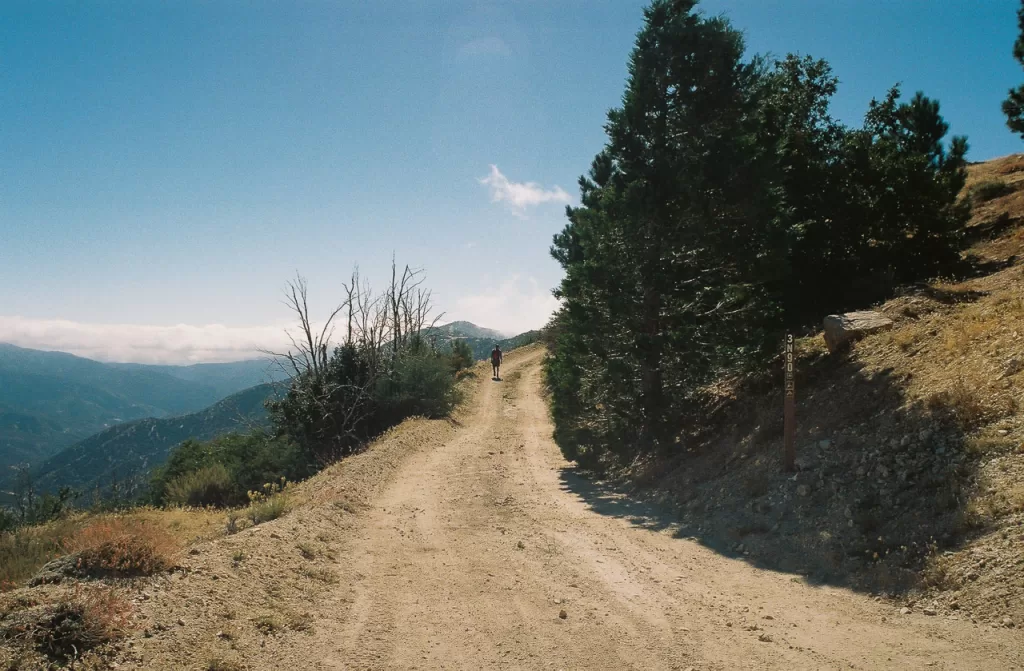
[(882, 482)]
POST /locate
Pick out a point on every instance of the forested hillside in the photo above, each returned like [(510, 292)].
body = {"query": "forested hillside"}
[(123, 455)]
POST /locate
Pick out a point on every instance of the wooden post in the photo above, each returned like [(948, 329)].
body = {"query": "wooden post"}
[(790, 408)]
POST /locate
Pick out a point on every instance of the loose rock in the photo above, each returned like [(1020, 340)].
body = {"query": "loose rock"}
[(844, 328)]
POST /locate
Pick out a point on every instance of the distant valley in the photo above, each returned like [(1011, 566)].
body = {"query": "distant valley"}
[(123, 454), (51, 400)]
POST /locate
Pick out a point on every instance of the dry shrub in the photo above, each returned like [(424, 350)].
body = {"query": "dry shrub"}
[(1014, 497), (978, 446), (905, 338), (963, 402), (268, 624), (1001, 502), (82, 620), (321, 574), (939, 572), (301, 622), (127, 547), (307, 550)]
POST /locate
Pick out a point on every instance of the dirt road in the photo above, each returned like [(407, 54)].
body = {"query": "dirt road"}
[(483, 551)]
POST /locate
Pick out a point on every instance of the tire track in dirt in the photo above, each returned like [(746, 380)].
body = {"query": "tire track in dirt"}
[(470, 554)]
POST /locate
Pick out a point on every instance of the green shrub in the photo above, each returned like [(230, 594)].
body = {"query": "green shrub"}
[(422, 384), (461, 356), (209, 486), (268, 503), (989, 190), (219, 472)]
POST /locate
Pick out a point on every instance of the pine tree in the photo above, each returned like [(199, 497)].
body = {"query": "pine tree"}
[(1013, 106), (657, 253)]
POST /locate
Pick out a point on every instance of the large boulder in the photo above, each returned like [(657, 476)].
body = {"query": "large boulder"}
[(844, 328)]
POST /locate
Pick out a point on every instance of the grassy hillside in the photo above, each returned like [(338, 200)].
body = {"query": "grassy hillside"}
[(51, 400), (130, 450)]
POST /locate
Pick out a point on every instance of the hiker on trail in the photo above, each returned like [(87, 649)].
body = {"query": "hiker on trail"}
[(496, 361)]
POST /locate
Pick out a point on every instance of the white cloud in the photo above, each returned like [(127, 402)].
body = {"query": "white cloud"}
[(179, 344), (521, 195), (518, 304)]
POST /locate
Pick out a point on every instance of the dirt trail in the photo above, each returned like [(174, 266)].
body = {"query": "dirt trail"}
[(470, 545)]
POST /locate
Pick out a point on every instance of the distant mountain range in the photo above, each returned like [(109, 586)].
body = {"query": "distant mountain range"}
[(127, 452), (51, 400)]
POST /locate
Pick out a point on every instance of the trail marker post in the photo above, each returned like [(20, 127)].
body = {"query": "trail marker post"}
[(789, 459)]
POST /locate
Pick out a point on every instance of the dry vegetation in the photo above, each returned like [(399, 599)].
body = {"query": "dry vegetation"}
[(74, 626)]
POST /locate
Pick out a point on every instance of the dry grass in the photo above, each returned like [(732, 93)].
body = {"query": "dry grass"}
[(320, 574), (274, 501), (980, 446), (989, 189), (983, 322), (23, 551), (188, 525), (123, 546), (268, 624), (301, 622), (961, 401)]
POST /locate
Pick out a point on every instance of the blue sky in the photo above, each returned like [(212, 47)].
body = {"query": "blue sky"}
[(167, 166)]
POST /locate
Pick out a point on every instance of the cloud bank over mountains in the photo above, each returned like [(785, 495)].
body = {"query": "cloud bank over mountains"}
[(178, 344), (513, 306)]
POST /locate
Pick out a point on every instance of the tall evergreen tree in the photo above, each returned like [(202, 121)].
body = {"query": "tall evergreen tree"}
[(1013, 106), (647, 283), (726, 205)]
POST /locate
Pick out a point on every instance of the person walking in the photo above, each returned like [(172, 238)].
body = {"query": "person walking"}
[(496, 362)]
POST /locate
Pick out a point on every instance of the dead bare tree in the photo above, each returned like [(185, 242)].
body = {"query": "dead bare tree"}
[(308, 351), (331, 393)]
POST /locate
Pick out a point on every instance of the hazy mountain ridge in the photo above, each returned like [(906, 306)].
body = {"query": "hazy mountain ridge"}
[(225, 378), (481, 340), (464, 329), (130, 450), (50, 400)]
